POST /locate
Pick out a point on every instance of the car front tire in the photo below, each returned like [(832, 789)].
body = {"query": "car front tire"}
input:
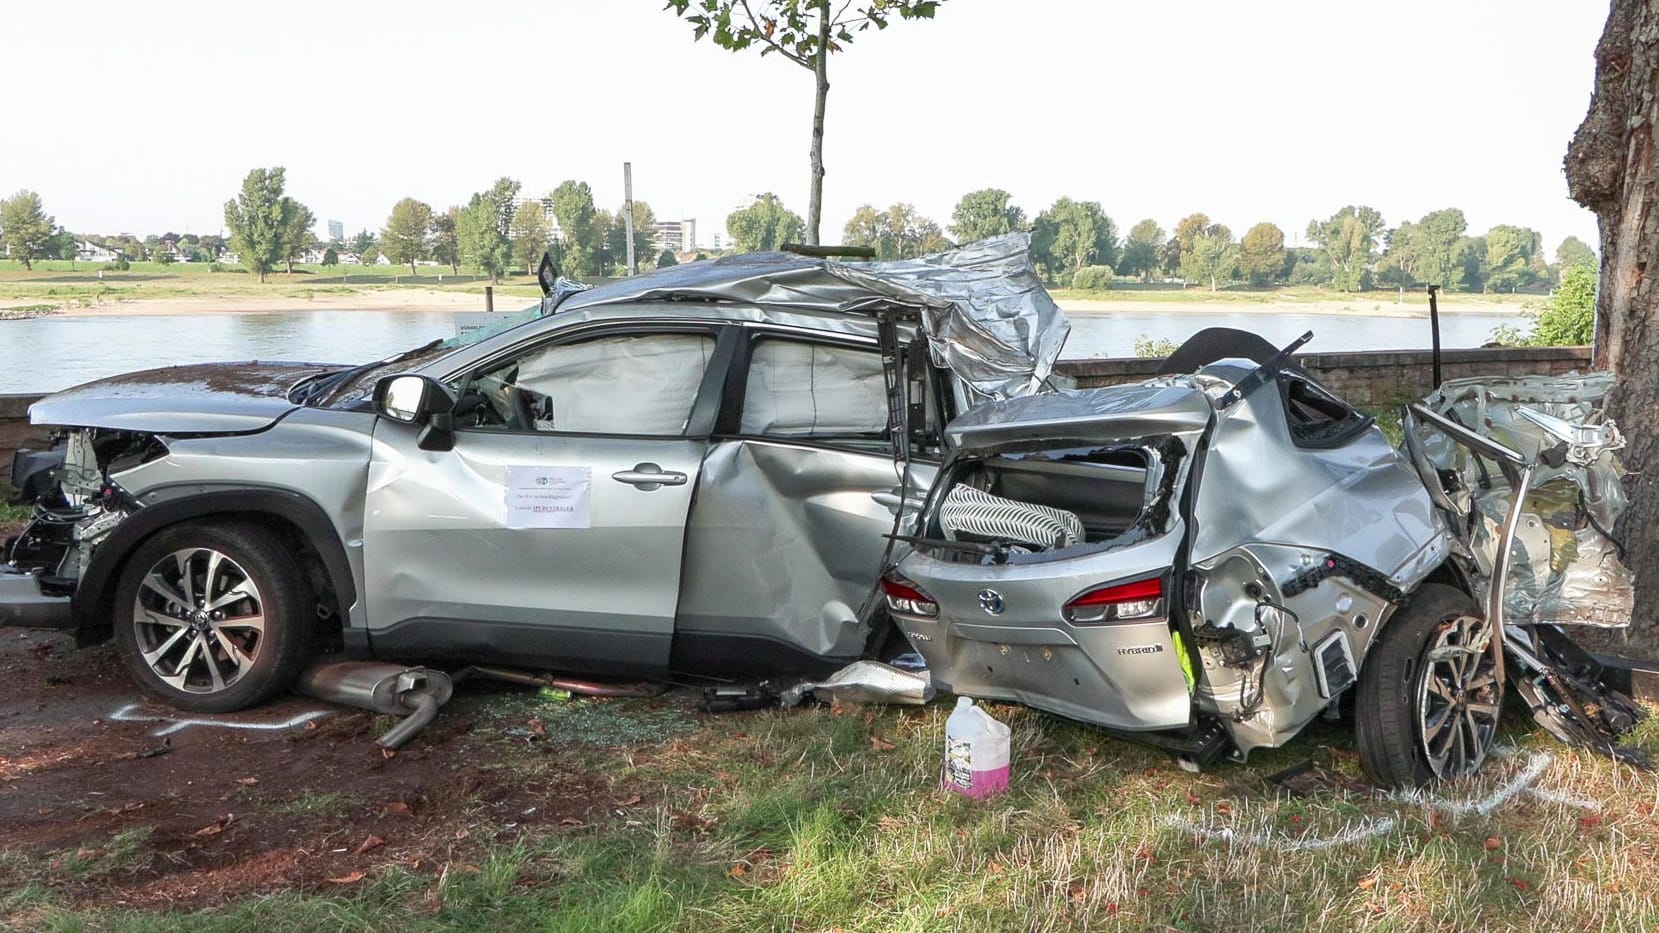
[(1429, 698), (213, 617)]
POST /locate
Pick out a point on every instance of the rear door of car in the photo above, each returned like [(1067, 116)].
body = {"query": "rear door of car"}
[(799, 487), (552, 534)]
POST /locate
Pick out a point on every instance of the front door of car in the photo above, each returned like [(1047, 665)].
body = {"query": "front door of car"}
[(552, 534)]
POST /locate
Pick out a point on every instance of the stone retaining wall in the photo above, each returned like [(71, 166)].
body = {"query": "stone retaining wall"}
[(1373, 376)]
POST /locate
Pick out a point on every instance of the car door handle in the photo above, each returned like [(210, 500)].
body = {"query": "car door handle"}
[(648, 476)]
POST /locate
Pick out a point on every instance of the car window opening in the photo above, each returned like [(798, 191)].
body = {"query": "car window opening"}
[(1051, 504)]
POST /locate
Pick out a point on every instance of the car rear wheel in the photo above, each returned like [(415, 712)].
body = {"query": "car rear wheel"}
[(1429, 695), (213, 617)]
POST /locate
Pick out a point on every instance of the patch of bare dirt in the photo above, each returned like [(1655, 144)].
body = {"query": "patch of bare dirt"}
[(210, 813)]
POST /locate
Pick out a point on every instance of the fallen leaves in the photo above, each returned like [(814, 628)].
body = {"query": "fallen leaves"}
[(371, 843), (880, 744), (351, 878), (247, 781), (397, 808), (217, 826), (1492, 842)]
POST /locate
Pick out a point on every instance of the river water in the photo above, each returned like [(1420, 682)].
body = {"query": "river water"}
[(49, 353)]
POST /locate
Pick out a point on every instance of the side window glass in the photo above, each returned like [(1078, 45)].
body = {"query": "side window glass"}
[(1317, 418), (827, 392), (623, 384)]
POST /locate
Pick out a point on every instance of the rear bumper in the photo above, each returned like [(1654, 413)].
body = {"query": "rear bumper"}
[(23, 605)]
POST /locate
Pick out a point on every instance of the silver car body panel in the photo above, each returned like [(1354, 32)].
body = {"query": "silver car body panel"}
[(440, 552), (784, 541), (319, 454), (1360, 499)]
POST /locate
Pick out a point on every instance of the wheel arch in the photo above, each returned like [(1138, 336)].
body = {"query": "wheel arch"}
[(294, 517)]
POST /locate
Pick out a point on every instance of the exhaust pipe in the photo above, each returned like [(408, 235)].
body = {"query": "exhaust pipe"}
[(414, 693)]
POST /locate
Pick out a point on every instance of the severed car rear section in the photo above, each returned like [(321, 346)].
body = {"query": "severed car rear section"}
[(1045, 564), (1211, 558)]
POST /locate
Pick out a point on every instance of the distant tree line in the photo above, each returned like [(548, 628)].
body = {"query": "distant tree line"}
[(1074, 243)]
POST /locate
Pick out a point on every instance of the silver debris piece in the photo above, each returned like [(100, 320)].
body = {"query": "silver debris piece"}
[(1565, 566), (866, 682)]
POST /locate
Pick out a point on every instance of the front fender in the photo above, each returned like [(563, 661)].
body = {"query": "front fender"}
[(94, 597)]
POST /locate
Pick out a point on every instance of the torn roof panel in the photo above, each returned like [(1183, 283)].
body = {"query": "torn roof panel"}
[(987, 315)]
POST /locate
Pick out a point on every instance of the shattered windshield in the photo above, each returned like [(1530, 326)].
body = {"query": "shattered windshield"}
[(349, 388)]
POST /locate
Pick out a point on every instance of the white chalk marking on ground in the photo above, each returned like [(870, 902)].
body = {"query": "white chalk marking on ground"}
[(1521, 783), (1364, 829), (126, 714)]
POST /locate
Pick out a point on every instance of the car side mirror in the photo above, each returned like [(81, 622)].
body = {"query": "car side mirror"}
[(418, 400)]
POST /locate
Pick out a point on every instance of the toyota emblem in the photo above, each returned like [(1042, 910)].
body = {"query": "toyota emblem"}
[(991, 602)]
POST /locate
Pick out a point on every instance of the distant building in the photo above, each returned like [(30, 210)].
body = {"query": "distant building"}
[(545, 205), (336, 231), (92, 252), (679, 236)]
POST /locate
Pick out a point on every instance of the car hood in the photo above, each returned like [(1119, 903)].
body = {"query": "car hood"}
[(203, 398)]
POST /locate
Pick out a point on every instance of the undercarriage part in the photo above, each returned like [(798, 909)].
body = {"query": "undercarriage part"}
[(866, 682), (590, 688), (1193, 749), (1568, 692), (414, 693), (733, 699)]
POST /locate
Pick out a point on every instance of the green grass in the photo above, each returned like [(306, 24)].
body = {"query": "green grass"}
[(794, 820), (317, 804)]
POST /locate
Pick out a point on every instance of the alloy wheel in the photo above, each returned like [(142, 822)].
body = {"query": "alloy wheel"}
[(1459, 698), (199, 619)]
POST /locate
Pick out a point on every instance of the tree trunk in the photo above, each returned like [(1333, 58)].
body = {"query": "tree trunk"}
[(1610, 170), (820, 74), (411, 267)]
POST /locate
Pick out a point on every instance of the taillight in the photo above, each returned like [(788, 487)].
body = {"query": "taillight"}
[(906, 598), (1138, 599)]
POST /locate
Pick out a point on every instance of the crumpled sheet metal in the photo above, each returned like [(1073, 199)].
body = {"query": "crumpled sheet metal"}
[(985, 311), (1564, 568), (866, 682)]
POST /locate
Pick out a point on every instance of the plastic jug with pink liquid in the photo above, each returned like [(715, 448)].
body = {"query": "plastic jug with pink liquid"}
[(976, 752)]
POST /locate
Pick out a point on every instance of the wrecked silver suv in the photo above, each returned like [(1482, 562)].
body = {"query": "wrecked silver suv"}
[(1212, 558), (684, 473)]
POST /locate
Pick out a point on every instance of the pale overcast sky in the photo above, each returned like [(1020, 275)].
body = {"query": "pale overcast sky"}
[(144, 119)]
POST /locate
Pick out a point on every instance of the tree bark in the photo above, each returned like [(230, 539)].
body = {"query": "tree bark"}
[(820, 74), (1610, 170)]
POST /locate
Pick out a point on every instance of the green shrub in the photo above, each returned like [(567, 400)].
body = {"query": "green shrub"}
[(1095, 278), (1149, 348), (1568, 318), (215, 267)]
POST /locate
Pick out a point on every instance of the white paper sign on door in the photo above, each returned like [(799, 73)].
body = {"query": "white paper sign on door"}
[(549, 497)]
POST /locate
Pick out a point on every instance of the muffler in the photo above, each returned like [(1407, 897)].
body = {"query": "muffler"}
[(415, 693)]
